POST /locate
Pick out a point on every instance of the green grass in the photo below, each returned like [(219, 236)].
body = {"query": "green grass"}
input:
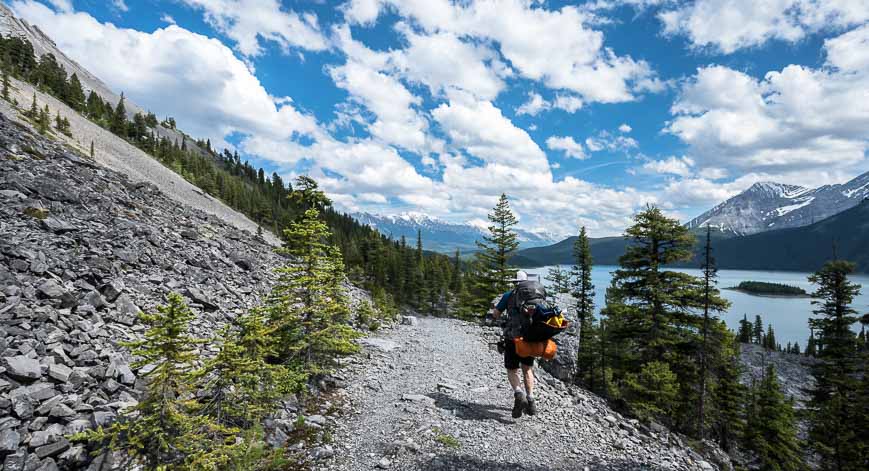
[(447, 440)]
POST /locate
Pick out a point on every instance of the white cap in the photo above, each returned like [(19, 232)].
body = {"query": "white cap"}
[(520, 276)]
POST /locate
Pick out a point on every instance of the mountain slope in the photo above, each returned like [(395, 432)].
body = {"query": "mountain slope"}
[(768, 206), (803, 248), (438, 235), (799, 249)]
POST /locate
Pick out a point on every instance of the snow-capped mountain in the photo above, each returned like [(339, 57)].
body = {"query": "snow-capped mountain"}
[(766, 206), (439, 235)]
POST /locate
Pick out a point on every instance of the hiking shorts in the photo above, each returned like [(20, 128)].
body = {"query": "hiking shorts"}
[(512, 359)]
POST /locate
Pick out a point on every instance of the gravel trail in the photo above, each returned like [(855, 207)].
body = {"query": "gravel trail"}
[(433, 396)]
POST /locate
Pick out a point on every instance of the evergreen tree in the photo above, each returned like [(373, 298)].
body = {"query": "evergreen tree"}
[(118, 124), (711, 303), (75, 95), (834, 405), (811, 346), (308, 309), (163, 429), (745, 330), (769, 342), (651, 318), (771, 427), (92, 149), (758, 330), (34, 109), (6, 85), (583, 293), (728, 395), (43, 122), (494, 255), (559, 280)]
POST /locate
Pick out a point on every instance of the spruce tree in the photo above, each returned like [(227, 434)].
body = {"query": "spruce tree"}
[(769, 342), (834, 406), (43, 122), (92, 149), (712, 303), (6, 85), (758, 330), (745, 330), (559, 280), (652, 320), (34, 109), (164, 428), (494, 256), (728, 396), (75, 95), (118, 124), (583, 294), (771, 427)]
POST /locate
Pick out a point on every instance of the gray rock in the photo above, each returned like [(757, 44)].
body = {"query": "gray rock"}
[(51, 289), (22, 406), (409, 320), (9, 440), (112, 290), (53, 449), (22, 368), (57, 225), (61, 411), (15, 461), (59, 372), (197, 296)]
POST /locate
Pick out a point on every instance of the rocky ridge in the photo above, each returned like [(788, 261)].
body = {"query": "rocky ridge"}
[(83, 249)]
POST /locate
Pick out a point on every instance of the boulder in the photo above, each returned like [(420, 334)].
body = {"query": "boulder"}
[(22, 368), (409, 320), (57, 225), (51, 289), (9, 440), (196, 295)]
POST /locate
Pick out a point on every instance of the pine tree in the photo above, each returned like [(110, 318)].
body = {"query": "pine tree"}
[(118, 124), (43, 123), (745, 330), (728, 395), (34, 109), (771, 427), (758, 330), (559, 280), (308, 308), (769, 342), (6, 85), (494, 256), (163, 429), (811, 346), (583, 293), (712, 303), (834, 413), (92, 149), (650, 318), (75, 95)]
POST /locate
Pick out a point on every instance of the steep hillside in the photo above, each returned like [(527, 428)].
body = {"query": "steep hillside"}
[(10, 25), (438, 235), (83, 250), (769, 206), (803, 248)]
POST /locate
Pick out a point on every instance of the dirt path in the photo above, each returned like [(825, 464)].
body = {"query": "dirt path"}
[(433, 396)]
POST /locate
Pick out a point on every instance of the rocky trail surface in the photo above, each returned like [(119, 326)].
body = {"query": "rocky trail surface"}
[(433, 396)]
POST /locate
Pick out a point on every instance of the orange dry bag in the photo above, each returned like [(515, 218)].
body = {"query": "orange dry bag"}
[(545, 349)]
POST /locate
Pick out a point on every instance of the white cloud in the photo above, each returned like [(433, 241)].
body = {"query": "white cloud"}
[(570, 147), (250, 22), (444, 63), (554, 47), (605, 140), (730, 25), (536, 104), (533, 106), (796, 118), (64, 6), (680, 166), (120, 5), (625, 128), (167, 18)]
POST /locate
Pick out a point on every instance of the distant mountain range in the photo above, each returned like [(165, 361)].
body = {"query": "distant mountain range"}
[(768, 206), (439, 235), (769, 226)]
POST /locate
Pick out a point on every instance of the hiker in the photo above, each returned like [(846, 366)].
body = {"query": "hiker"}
[(523, 400)]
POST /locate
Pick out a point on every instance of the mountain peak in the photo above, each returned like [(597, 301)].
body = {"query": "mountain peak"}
[(775, 189)]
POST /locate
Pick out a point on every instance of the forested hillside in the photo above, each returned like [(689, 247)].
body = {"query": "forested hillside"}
[(397, 272)]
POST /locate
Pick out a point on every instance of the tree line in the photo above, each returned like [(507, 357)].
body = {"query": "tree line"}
[(659, 350), (397, 272)]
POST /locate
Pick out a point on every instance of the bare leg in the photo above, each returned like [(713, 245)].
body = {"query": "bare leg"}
[(514, 378), (528, 373)]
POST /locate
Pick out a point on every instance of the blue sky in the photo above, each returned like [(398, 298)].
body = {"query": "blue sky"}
[(582, 112)]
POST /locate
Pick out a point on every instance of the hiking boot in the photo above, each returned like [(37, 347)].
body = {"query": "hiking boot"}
[(530, 406), (519, 404)]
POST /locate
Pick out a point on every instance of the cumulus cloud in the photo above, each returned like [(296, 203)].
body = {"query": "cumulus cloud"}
[(568, 145), (672, 165), (625, 128), (554, 47), (796, 118), (249, 23), (730, 25), (120, 5), (605, 140), (537, 104), (167, 18)]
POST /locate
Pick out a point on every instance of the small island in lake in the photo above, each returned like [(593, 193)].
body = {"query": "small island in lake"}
[(763, 288)]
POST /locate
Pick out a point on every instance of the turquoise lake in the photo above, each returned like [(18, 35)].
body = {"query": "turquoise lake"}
[(788, 316)]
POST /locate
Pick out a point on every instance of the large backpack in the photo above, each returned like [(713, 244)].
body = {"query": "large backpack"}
[(530, 304)]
